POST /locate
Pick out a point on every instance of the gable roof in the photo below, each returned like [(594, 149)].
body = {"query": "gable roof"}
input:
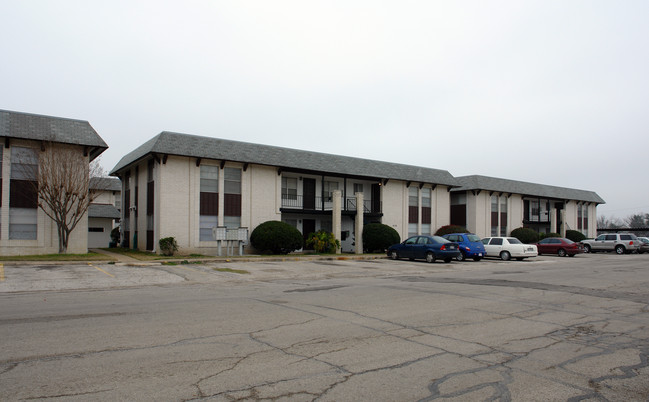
[(48, 128), (105, 183), (103, 211), (477, 182), (227, 150)]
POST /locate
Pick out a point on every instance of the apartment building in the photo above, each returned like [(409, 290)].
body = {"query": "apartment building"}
[(24, 227), (189, 186), (489, 206)]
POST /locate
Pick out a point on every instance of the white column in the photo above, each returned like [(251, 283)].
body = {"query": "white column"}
[(336, 213), (358, 224)]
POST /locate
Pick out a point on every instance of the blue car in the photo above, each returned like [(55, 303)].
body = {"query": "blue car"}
[(470, 246), (429, 248)]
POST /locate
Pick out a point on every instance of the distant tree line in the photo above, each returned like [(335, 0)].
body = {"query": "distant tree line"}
[(640, 220)]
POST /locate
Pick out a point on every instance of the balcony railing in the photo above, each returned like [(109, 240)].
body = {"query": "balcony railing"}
[(298, 202)]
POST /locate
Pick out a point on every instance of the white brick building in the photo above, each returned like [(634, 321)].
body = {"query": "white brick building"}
[(24, 227), (185, 186)]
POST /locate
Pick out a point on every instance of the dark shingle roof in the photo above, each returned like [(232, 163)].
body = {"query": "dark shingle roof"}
[(106, 183), (477, 182), (48, 128), (236, 151), (103, 211)]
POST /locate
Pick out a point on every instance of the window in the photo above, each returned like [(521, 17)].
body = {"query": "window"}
[(503, 215), (413, 210), (232, 198), (496, 242), (358, 188), (23, 196), (411, 240), (95, 230), (585, 229), (209, 201), (494, 215), (289, 188), (329, 187), (426, 210)]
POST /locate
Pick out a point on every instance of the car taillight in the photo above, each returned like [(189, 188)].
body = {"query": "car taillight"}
[(631, 243), (443, 247), (467, 248)]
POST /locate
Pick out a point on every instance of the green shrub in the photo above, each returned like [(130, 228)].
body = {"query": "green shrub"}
[(546, 235), (575, 235), (275, 237), (378, 237), (323, 242), (448, 229), (526, 235), (168, 246)]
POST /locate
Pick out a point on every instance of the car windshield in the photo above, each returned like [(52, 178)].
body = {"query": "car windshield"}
[(513, 240), (473, 238), (439, 239)]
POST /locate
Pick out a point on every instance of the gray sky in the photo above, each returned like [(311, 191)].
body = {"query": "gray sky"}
[(552, 92)]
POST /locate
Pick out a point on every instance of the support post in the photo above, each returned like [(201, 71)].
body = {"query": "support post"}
[(358, 223), (336, 217)]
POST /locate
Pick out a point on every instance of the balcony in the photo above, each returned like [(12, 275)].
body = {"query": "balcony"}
[(300, 203)]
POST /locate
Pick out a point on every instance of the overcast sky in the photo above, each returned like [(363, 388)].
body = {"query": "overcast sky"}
[(551, 92)]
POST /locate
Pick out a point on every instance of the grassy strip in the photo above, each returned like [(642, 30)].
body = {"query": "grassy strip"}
[(57, 257), (234, 271), (149, 256)]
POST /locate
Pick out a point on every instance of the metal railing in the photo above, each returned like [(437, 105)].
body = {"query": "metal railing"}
[(298, 202)]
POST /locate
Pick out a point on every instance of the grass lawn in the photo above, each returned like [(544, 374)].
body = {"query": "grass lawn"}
[(149, 256)]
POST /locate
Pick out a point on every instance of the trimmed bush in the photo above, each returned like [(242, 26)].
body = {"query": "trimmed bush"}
[(168, 246), (378, 237), (323, 242), (448, 229), (275, 237), (575, 235), (526, 235), (546, 235)]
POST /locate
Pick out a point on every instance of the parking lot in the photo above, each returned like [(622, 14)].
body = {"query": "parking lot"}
[(547, 328)]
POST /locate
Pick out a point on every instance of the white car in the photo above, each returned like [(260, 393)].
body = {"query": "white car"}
[(508, 247)]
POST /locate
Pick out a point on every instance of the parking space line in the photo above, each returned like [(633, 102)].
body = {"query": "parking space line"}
[(2, 273), (99, 269)]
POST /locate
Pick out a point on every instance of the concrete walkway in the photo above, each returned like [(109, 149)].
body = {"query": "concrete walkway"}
[(116, 256)]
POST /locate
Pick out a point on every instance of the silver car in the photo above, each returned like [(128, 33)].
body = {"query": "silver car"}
[(621, 243)]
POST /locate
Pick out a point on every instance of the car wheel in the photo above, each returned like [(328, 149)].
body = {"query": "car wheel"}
[(430, 256), (587, 248), (460, 257), (640, 252), (447, 260), (394, 255), (477, 258), (561, 252), (505, 256), (619, 249)]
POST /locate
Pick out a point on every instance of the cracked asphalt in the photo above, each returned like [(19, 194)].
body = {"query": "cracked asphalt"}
[(546, 329)]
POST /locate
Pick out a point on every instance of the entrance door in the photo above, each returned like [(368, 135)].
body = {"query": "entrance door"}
[(308, 189), (308, 227), (376, 198)]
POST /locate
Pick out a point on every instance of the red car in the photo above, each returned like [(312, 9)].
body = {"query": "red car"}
[(560, 246)]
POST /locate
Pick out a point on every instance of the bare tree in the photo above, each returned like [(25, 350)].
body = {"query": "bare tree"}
[(605, 223), (62, 187)]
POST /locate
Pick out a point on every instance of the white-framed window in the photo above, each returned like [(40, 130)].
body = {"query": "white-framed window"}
[(209, 192), (23, 201), (329, 187), (289, 188)]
